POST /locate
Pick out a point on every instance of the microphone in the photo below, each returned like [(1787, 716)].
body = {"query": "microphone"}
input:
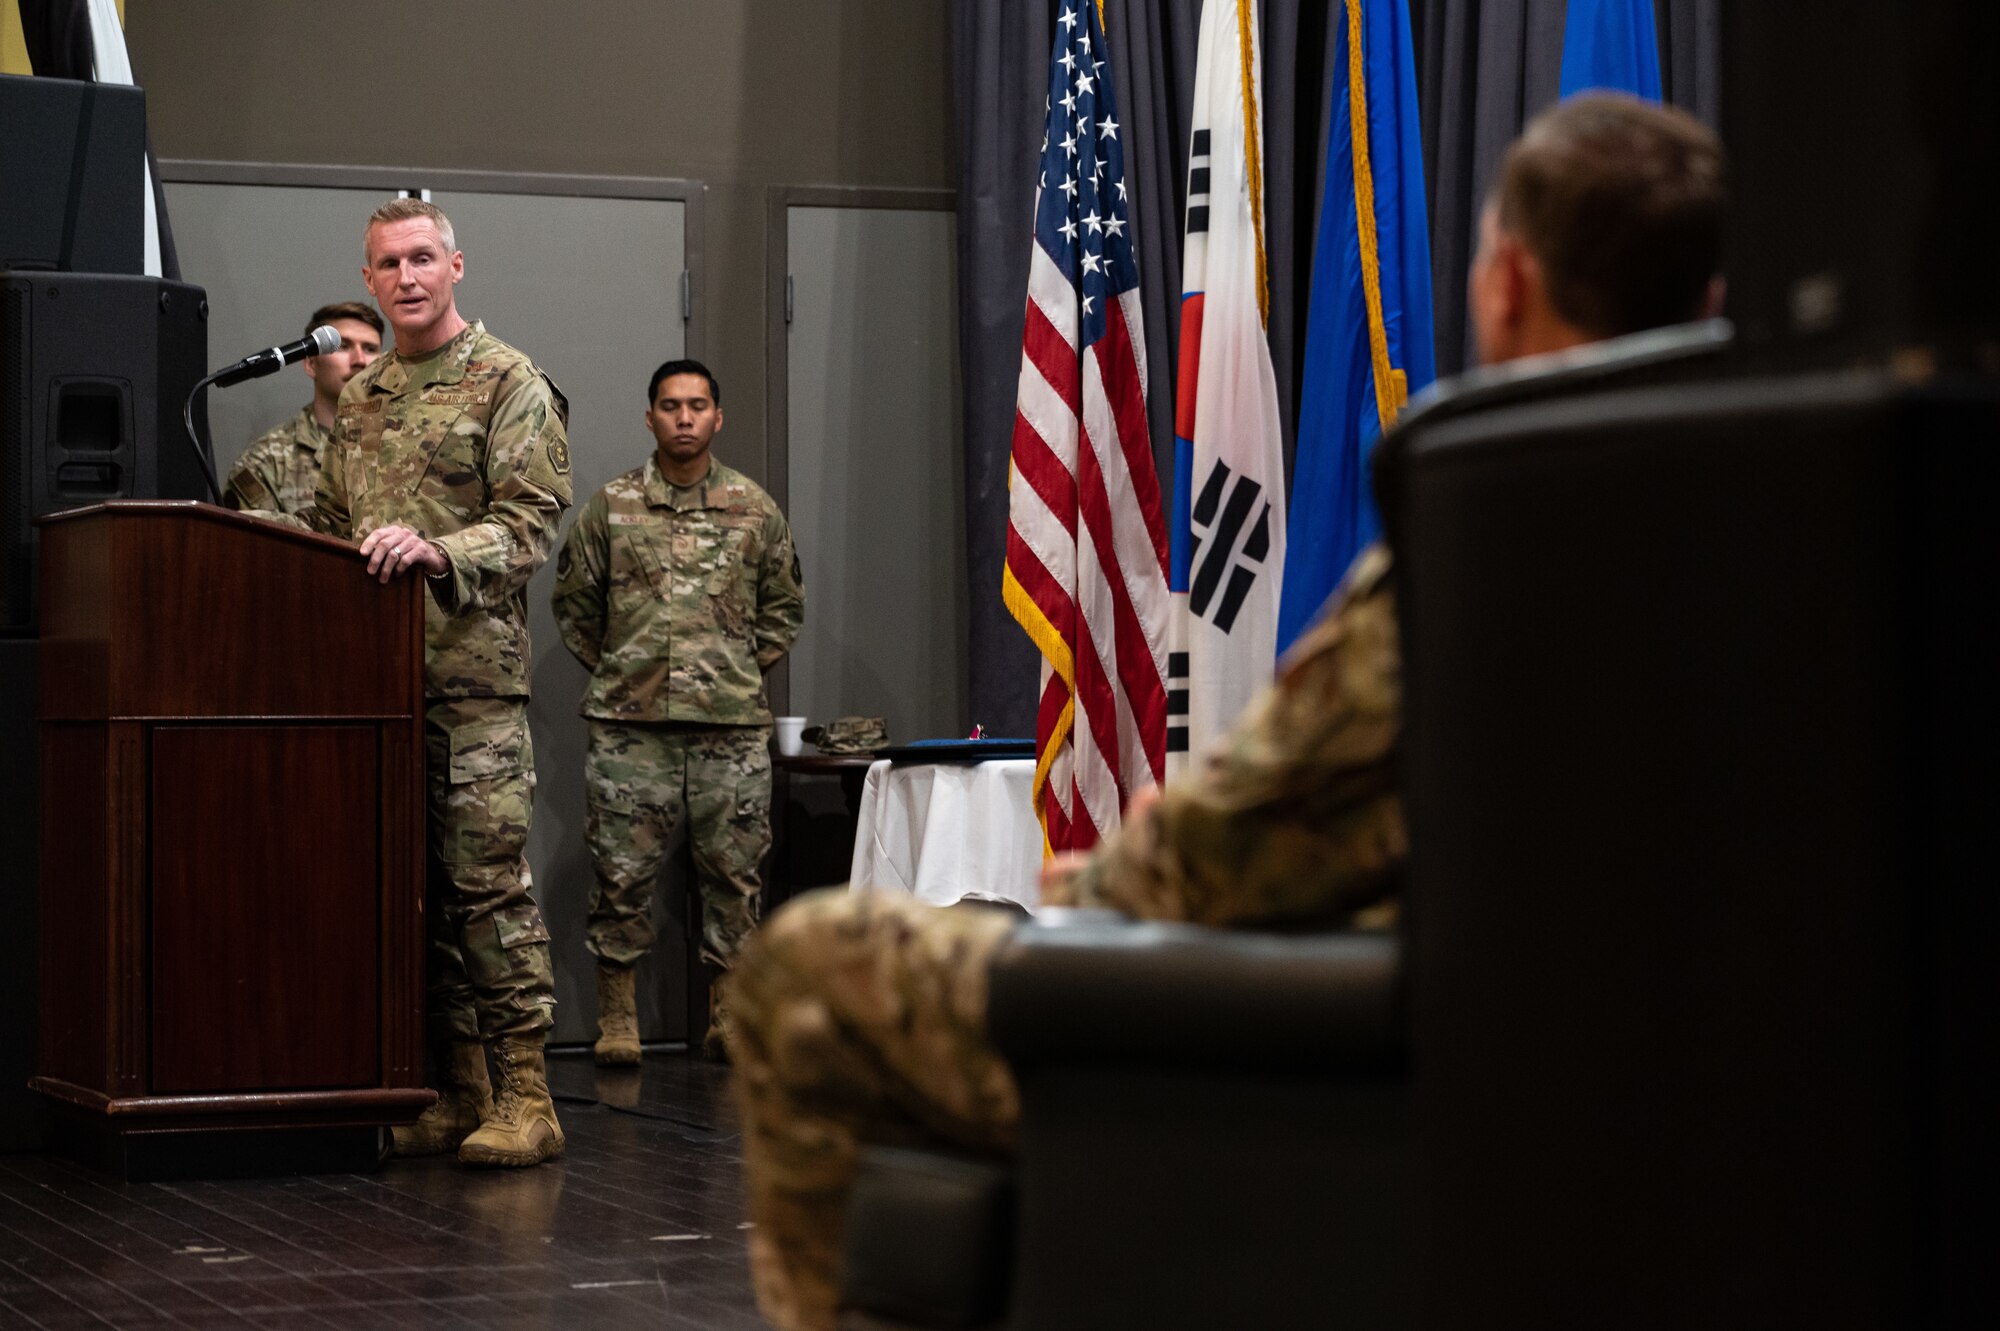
[(319, 342)]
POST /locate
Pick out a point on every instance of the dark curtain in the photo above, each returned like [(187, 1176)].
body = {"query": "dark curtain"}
[(1691, 56), (1484, 67), (999, 52), (1298, 46), (57, 35)]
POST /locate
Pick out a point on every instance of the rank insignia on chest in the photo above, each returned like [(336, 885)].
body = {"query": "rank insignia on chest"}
[(559, 455)]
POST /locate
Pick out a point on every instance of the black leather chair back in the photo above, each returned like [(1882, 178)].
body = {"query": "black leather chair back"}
[(1703, 802)]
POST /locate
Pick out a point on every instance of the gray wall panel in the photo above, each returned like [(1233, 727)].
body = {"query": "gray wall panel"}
[(874, 467)]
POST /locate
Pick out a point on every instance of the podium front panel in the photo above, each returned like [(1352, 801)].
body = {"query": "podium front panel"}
[(264, 929), (78, 902)]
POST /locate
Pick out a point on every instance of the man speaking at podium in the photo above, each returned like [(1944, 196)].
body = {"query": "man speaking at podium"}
[(450, 461)]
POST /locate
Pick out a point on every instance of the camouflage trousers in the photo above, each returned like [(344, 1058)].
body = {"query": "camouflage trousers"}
[(856, 1018), (490, 972), (642, 782)]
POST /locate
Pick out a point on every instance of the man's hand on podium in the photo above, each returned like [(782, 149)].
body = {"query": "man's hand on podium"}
[(394, 550)]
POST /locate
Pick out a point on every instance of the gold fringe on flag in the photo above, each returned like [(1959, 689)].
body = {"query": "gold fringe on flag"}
[(1392, 386), (1252, 150)]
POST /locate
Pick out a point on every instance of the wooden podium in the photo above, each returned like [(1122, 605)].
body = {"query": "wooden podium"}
[(232, 824)]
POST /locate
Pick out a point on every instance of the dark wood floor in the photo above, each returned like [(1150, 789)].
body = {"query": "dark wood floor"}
[(639, 1225)]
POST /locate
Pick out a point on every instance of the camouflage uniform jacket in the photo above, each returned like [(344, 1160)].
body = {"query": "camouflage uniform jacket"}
[(678, 598), (280, 469), (1295, 817), (467, 446)]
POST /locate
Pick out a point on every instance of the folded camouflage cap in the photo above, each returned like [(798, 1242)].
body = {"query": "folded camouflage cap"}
[(850, 734)]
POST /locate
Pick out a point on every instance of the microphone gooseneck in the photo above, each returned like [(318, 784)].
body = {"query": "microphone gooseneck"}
[(321, 341)]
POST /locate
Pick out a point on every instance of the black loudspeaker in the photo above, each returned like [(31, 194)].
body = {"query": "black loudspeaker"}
[(1864, 141), (74, 161), (94, 369)]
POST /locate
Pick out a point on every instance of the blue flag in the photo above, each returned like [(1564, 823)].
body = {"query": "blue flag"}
[(1611, 44), (1368, 329)]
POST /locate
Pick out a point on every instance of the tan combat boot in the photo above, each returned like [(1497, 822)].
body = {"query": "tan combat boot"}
[(522, 1129), (463, 1103), (617, 1017), (714, 1046)]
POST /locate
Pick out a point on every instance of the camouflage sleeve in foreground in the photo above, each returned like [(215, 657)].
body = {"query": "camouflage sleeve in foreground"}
[(258, 502), (581, 570), (329, 512), (527, 488), (250, 486), (781, 592), (279, 469), (1296, 816)]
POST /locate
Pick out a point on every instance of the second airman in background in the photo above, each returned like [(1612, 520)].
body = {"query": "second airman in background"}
[(279, 470), (678, 588)]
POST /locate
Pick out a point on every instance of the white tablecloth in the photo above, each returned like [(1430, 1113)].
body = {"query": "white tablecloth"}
[(941, 830)]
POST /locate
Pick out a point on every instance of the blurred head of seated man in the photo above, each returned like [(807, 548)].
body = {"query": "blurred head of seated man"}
[(1606, 219), (859, 1017), (280, 469)]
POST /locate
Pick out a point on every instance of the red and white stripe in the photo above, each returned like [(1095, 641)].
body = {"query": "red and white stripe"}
[(1087, 546)]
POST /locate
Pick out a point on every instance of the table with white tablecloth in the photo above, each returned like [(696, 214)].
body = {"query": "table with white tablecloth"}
[(941, 830)]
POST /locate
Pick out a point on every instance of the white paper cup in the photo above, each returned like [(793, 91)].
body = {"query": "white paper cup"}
[(791, 735)]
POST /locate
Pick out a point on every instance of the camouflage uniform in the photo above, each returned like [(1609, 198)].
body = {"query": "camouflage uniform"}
[(859, 1017), (467, 447), (279, 471), (678, 599)]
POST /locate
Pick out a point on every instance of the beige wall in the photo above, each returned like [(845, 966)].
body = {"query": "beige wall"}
[(739, 94)]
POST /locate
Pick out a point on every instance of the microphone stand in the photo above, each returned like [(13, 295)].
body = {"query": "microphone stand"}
[(321, 341), (203, 453)]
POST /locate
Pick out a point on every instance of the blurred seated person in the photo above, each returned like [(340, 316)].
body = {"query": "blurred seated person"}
[(859, 1017)]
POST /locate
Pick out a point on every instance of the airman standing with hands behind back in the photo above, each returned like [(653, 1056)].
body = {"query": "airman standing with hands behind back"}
[(678, 588)]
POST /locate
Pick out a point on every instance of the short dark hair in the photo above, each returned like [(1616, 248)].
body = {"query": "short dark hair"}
[(345, 309), (1621, 201), (674, 367)]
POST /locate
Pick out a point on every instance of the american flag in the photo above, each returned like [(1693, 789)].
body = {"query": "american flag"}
[(1086, 544)]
